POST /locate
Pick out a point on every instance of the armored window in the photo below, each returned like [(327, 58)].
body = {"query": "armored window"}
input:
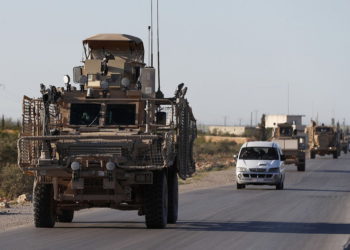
[(84, 114), (323, 130), (121, 114)]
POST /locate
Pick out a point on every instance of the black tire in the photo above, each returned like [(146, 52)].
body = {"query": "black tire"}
[(240, 186), (173, 196), (301, 167), (335, 155), (280, 186), (312, 155), (65, 215), (156, 201), (44, 206)]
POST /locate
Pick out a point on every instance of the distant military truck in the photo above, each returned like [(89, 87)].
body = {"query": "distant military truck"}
[(323, 140), (114, 142), (292, 144)]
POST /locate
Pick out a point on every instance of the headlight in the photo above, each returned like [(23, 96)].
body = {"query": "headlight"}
[(125, 82), (75, 165), (241, 169), (110, 166), (275, 170)]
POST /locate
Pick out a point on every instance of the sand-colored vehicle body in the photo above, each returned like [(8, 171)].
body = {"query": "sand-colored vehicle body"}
[(292, 144), (111, 142)]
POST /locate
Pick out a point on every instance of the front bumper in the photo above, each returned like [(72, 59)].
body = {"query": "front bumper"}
[(258, 178)]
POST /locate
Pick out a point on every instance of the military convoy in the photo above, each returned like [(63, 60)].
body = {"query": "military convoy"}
[(324, 140), (113, 142), (292, 144)]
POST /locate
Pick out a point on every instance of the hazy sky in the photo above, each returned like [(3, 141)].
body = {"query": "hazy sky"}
[(236, 57)]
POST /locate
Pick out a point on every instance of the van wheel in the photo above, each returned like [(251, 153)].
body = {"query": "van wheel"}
[(280, 186), (156, 201), (240, 186)]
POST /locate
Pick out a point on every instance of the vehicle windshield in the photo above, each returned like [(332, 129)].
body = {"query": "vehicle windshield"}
[(258, 153), (84, 114), (286, 131), (323, 130), (121, 114)]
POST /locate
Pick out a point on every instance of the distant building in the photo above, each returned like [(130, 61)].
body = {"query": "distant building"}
[(271, 121), (231, 130)]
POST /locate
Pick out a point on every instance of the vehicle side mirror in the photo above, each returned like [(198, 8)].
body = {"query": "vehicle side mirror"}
[(77, 72), (235, 157), (283, 157)]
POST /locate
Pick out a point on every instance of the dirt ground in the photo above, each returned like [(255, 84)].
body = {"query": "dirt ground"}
[(18, 215)]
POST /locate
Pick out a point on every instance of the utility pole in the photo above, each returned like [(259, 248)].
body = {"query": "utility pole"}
[(251, 119), (225, 118), (288, 100)]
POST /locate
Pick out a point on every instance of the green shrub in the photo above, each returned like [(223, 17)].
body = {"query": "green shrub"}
[(13, 182), (8, 148)]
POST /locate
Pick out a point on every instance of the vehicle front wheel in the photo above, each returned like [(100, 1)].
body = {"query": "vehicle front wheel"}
[(44, 206), (280, 186), (173, 196), (240, 186), (156, 201)]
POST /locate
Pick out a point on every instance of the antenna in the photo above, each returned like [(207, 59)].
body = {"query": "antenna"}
[(149, 45), (159, 93), (152, 33)]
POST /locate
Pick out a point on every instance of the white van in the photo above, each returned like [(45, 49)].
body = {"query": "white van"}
[(260, 163)]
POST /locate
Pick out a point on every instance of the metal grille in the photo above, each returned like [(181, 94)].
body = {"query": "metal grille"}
[(31, 126), (151, 156), (257, 169), (86, 148), (186, 135)]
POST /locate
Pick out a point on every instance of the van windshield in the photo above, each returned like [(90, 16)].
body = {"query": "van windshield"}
[(258, 153)]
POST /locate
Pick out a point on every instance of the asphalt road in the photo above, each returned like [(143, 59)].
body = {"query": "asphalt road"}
[(313, 212)]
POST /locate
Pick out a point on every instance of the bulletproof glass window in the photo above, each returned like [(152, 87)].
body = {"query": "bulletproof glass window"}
[(121, 114), (258, 153), (84, 114)]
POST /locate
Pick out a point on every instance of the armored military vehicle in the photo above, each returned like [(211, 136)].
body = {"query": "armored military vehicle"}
[(292, 144), (323, 140), (113, 142)]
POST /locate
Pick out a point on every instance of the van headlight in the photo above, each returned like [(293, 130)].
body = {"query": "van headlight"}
[(241, 169), (274, 170)]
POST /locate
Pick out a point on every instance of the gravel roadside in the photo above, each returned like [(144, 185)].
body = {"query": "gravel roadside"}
[(18, 215)]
